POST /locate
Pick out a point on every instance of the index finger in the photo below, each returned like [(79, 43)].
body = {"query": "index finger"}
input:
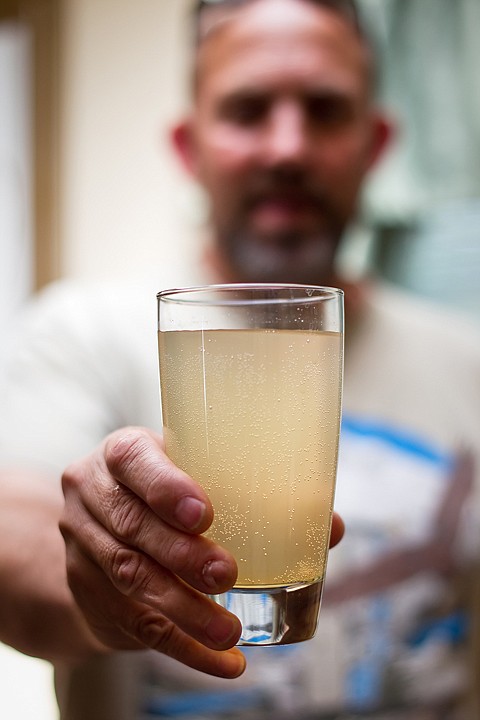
[(135, 457), (337, 531)]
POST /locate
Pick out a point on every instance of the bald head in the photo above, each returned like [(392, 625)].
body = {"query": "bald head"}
[(211, 19), (208, 13)]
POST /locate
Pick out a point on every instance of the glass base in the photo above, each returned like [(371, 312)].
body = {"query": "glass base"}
[(275, 616)]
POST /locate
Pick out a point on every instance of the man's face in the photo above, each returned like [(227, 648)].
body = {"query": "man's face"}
[(281, 137)]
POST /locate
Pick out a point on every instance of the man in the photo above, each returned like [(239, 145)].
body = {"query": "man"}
[(283, 132)]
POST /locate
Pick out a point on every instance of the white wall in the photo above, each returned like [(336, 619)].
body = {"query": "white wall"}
[(123, 196)]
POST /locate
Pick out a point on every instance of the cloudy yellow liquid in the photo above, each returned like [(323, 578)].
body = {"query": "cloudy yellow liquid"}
[(253, 415)]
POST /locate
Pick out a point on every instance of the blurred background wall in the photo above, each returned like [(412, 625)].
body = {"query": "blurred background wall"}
[(424, 203), (123, 81)]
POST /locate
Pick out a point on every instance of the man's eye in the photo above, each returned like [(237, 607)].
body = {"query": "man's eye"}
[(330, 112), (245, 111)]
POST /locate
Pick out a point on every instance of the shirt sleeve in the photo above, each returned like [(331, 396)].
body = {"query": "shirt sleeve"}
[(63, 384)]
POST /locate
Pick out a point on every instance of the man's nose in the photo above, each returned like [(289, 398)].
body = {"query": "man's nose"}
[(286, 140)]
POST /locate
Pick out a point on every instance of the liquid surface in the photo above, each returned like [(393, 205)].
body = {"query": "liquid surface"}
[(253, 415)]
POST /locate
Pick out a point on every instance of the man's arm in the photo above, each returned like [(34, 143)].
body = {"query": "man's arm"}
[(38, 615)]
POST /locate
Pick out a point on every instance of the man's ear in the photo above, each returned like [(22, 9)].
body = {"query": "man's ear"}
[(383, 131), (183, 142)]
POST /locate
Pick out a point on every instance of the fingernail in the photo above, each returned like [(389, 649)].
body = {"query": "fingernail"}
[(221, 629), (236, 662), (215, 574), (190, 512)]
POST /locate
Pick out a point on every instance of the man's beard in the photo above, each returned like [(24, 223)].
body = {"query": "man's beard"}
[(291, 255), (287, 258)]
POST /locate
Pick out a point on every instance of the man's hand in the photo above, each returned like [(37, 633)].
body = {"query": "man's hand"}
[(137, 562)]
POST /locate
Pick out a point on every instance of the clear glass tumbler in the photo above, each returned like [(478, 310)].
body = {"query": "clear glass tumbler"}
[(251, 390)]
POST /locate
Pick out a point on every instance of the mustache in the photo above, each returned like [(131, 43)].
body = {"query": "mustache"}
[(290, 186)]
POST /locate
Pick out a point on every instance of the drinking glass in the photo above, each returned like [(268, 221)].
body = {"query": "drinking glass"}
[(251, 389)]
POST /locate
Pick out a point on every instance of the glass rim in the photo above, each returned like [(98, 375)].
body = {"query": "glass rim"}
[(318, 293)]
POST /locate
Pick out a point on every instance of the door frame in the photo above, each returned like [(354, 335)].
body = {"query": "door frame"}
[(42, 18)]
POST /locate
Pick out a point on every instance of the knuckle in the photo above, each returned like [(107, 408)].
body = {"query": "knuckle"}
[(155, 631), (128, 517), (65, 529), (130, 572), (161, 482), (182, 552), (71, 477), (69, 526), (124, 449)]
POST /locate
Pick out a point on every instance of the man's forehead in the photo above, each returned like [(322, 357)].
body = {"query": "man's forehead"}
[(260, 38)]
